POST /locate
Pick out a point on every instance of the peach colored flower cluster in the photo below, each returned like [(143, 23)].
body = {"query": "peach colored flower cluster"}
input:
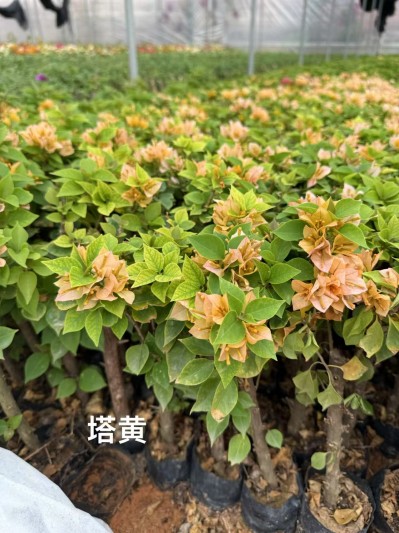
[(210, 310), (142, 189), (44, 135), (339, 271), (229, 213), (160, 153), (241, 260), (109, 282)]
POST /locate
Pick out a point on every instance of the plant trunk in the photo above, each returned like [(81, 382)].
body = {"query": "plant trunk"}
[(114, 375), (393, 404), (167, 428), (14, 371), (258, 435), (335, 430), (218, 450), (29, 335), (298, 415), (10, 408), (72, 368)]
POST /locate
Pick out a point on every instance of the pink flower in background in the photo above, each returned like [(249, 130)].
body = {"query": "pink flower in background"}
[(41, 77)]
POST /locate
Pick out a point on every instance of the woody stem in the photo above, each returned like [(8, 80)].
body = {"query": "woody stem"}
[(166, 427), (335, 429), (114, 375), (10, 408), (258, 435)]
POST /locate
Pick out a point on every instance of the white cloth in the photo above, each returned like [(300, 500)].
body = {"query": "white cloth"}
[(31, 503)]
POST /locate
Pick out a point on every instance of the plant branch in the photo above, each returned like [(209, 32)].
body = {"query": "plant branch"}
[(10, 408), (258, 434), (114, 375)]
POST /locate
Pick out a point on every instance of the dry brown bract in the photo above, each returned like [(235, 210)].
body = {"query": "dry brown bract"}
[(389, 499), (287, 477), (353, 511)]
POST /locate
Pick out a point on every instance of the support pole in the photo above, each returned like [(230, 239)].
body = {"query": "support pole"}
[(303, 33), (380, 9), (131, 40), (252, 39), (348, 29), (371, 31), (330, 30), (190, 6)]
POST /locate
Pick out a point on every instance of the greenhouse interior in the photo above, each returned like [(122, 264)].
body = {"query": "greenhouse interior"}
[(199, 266)]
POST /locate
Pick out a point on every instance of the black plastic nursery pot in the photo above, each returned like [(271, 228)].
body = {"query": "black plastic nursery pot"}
[(390, 434), (216, 492), (376, 483), (167, 473), (263, 518), (309, 523)]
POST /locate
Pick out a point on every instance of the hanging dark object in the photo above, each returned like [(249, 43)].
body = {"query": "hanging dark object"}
[(385, 8), (62, 12), (15, 11), (388, 9), (369, 5)]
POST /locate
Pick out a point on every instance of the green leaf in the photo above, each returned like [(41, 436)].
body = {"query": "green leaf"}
[(373, 340), (136, 358), (225, 371), (354, 234), (241, 418), (354, 328), (173, 328), (209, 246), (291, 230), (231, 330), (145, 277), (74, 320), (306, 268), (6, 337), (176, 359), (115, 307), (197, 346), (319, 460), (205, 394), (261, 309), (66, 388), (196, 372), (306, 383), (91, 379), (224, 401), (280, 273), (163, 395), (36, 365), (61, 265), (153, 259), (347, 207), (170, 273), (329, 397), (78, 278), (264, 349), (94, 325), (14, 422), (27, 284), (239, 448), (274, 438), (214, 428), (393, 336), (235, 295)]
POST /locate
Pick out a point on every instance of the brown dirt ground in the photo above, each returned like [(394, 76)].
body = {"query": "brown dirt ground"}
[(150, 510)]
